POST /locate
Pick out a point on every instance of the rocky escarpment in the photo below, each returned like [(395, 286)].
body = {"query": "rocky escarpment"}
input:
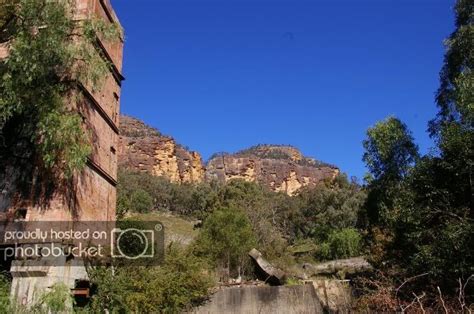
[(143, 148), (281, 168)]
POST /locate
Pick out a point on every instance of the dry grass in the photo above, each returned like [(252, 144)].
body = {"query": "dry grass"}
[(177, 229)]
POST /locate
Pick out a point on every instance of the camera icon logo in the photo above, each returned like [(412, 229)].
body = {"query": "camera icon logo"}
[(132, 243)]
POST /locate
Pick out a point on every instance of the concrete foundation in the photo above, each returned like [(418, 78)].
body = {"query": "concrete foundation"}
[(318, 296), (30, 280), (264, 299)]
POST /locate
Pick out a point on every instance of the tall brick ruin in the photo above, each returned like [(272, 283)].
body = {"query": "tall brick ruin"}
[(92, 194)]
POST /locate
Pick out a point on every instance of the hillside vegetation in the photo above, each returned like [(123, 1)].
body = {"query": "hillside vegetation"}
[(412, 218)]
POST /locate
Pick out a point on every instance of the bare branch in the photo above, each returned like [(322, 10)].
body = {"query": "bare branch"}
[(461, 297), (418, 299), (409, 280), (442, 301), (404, 308)]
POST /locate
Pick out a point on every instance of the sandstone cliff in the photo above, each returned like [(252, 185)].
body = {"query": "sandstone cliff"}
[(281, 168), (143, 148)]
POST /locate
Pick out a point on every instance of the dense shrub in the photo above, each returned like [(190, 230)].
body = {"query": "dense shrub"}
[(226, 238), (330, 206), (276, 219), (58, 299), (267, 212), (55, 299), (153, 192), (4, 293), (421, 209), (182, 281), (141, 201), (342, 243)]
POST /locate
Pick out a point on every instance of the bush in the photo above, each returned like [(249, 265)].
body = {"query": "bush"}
[(268, 213), (330, 206), (57, 300), (342, 243), (182, 281), (137, 200), (141, 192), (226, 238), (4, 294), (134, 185), (204, 200), (141, 201)]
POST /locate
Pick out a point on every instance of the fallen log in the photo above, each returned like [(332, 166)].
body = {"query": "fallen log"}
[(269, 273), (351, 265)]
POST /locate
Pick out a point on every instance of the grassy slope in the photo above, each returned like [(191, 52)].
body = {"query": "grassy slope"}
[(177, 229)]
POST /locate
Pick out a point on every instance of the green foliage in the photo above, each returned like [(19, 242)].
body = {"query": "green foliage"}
[(182, 199), (330, 206), (434, 231), (4, 294), (57, 300), (389, 150), (443, 184), (276, 219), (343, 243), (292, 282), (204, 199), (226, 238), (455, 98), (423, 221), (184, 280), (141, 201), (266, 211), (37, 79), (63, 140), (390, 153), (424, 212)]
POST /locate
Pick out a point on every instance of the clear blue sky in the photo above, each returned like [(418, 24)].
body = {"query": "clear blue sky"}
[(225, 75)]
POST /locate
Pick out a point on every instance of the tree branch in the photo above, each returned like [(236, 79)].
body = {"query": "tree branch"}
[(442, 301), (407, 281)]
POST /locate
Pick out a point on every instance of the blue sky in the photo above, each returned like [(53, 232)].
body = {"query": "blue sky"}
[(225, 75)]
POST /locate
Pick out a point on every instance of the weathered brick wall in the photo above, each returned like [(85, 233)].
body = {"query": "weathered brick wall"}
[(91, 195), (104, 138), (96, 197), (108, 96), (91, 198)]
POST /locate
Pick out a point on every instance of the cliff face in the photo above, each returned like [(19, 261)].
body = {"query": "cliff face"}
[(281, 168), (145, 149)]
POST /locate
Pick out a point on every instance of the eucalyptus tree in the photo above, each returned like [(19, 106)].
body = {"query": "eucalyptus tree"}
[(49, 51)]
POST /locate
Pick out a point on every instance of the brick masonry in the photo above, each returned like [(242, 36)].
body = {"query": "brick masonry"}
[(92, 194)]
